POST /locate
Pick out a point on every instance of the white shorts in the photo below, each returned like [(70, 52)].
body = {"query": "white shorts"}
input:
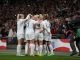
[(47, 37), (29, 36), (20, 36), (39, 36)]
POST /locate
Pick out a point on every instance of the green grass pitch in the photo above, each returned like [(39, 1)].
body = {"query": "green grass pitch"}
[(55, 57), (11, 56)]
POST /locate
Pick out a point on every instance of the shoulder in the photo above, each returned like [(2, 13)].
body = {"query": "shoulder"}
[(43, 21), (33, 21)]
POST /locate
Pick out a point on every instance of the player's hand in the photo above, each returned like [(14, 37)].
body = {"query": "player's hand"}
[(28, 16)]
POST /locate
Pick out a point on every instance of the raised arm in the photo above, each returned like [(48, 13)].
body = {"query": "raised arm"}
[(20, 16)]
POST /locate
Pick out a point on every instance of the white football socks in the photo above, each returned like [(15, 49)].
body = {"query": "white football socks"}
[(40, 49), (32, 47), (36, 48), (26, 48), (18, 49), (45, 49)]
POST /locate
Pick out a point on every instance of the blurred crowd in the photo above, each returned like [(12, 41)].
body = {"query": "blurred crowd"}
[(60, 12)]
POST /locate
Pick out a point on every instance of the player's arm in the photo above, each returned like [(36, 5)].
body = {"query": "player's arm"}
[(28, 16), (45, 28), (17, 16), (49, 30), (41, 25), (20, 16)]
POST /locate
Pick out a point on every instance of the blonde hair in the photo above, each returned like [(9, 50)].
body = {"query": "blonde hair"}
[(41, 16), (36, 16)]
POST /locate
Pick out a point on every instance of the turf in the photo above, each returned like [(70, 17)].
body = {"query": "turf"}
[(55, 57), (10, 55)]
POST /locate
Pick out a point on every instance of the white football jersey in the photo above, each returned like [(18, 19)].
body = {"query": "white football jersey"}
[(46, 26), (30, 26), (20, 26), (38, 26)]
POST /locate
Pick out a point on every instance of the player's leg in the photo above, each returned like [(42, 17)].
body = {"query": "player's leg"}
[(50, 47), (36, 47), (20, 38), (44, 46), (31, 44), (36, 44), (26, 44), (26, 47), (40, 44), (78, 44), (73, 47), (19, 47), (32, 47), (40, 47)]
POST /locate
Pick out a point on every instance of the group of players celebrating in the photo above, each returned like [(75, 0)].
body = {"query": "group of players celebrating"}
[(35, 31)]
